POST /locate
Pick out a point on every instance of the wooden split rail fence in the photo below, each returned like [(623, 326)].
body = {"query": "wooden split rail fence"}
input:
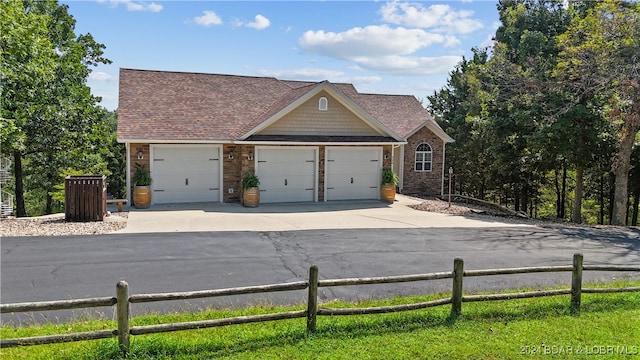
[(122, 300)]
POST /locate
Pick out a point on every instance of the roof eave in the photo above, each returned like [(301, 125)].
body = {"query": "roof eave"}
[(257, 142), (173, 141)]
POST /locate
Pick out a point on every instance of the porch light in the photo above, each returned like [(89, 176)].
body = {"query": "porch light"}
[(140, 155), (386, 154), (250, 156), (230, 155)]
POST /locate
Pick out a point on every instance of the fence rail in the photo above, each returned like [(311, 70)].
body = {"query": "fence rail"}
[(59, 305), (122, 300), (142, 298)]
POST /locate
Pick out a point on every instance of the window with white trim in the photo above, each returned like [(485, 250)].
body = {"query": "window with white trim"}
[(323, 104), (423, 157)]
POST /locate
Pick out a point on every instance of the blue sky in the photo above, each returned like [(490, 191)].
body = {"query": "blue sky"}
[(385, 47)]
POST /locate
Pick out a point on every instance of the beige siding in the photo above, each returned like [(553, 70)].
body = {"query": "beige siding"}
[(308, 120)]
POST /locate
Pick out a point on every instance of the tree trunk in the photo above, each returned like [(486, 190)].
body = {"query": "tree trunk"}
[(563, 194), (21, 210), (636, 202), (576, 214), (620, 166), (557, 184), (601, 195), (49, 205), (612, 192), (524, 192)]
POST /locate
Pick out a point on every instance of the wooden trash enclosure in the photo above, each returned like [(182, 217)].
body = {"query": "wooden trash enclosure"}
[(85, 198)]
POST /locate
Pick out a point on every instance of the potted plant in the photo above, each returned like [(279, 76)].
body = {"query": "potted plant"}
[(250, 190), (141, 186), (388, 188)]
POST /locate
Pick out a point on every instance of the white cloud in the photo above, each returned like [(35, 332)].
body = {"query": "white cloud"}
[(451, 41), (304, 73), (438, 17), (153, 7), (311, 74), (488, 41), (370, 41), (136, 6), (208, 18), (99, 76), (410, 65), (260, 23), (383, 49)]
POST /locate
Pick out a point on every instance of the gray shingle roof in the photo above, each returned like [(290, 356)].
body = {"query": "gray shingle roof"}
[(175, 106)]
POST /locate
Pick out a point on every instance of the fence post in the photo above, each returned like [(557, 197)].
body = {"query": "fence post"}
[(456, 293), (122, 296), (576, 283), (312, 302)]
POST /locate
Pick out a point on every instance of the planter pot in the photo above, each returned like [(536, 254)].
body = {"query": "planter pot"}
[(142, 197), (251, 197), (388, 193)]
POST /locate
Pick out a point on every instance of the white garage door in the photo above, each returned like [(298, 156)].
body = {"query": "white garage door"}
[(286, 174), (185, 174), (353, 173)]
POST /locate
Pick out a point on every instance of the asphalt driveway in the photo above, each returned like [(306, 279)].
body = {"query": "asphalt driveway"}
[(52, 268)]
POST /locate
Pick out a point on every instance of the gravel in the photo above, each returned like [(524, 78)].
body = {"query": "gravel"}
[(55, 225), (492, 212)]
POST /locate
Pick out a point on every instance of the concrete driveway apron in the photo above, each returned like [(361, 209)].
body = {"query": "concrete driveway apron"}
[(371, 214)]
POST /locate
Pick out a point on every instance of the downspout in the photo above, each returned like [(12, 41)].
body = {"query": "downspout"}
[(128, 174), (444, 145), (401, 168), (393, 158)]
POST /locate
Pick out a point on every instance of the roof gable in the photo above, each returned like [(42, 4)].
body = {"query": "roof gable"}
[(307, 119), (354, 117)]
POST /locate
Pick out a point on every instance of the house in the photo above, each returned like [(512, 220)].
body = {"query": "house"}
[(306, 141)]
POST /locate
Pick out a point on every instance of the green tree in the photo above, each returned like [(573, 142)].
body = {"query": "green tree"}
[(104, 139), (457, 110), (47, 108), (542, 131), (516, 80), (600, 61)]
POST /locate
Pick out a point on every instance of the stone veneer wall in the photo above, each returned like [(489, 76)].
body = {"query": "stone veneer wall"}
[(134, 148), (234, 169), (423, 182), (133, 159), (321, 165), (386, 163)]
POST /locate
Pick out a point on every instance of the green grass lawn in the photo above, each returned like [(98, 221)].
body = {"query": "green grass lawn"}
[(608, 327)]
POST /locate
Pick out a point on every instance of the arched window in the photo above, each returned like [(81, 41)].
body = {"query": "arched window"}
[(423, 157), (323, 104)]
